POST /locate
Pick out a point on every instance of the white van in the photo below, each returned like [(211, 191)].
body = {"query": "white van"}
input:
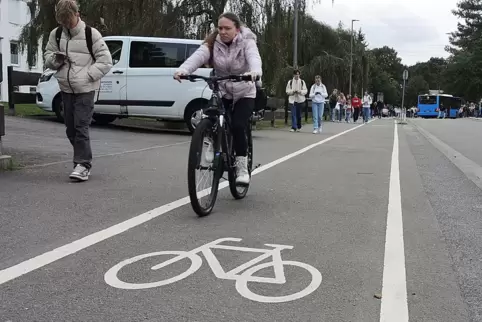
[(140, 82)]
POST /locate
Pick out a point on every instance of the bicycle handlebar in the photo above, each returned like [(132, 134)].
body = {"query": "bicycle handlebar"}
[(234, 78)]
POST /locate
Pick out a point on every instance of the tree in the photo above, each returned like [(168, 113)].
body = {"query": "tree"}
[(416, 85), (470, 12), (463, 71), (387, 60), (323, 50), (432, 71)]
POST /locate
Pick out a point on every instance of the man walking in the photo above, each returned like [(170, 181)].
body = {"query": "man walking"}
[(81, 58), (367, 103), (296, 91)]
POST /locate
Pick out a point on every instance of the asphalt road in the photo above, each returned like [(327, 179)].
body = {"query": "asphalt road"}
[(380, 222)]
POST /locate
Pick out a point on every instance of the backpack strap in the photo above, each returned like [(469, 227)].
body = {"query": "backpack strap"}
[(58, 36), (88, 39)]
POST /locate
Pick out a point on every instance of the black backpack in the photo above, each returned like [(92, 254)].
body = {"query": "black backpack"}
[(302, 83), (88, 39)]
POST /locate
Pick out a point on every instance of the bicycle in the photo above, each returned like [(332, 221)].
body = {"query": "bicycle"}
[(216, 123), (242, 274)]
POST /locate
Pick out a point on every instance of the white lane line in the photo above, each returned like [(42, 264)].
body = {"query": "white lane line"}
[(394, 306), (49, 257)]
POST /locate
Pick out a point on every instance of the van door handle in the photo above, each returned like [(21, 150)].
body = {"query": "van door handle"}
[(117, 72)]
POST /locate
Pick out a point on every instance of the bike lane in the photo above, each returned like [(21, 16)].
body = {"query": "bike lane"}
[(329, 204), (42, 210)]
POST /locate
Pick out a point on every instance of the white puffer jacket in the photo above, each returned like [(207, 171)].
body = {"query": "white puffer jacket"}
[(79, 74)]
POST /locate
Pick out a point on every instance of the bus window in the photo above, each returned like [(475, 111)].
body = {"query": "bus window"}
[(429, 100)]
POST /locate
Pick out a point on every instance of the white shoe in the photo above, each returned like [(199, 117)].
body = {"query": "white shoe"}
[(292, 130), (315, 131), (242, 174), (209, 154), (80, 173)]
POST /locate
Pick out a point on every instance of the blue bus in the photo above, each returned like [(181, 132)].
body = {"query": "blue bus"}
[(429, 105)]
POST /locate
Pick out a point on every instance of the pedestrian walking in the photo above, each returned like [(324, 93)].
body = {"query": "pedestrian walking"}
[(296, 91), (318, 94), (367, 102), (81, 58)]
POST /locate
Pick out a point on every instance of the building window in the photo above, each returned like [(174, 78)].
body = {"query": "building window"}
[(14, 53)]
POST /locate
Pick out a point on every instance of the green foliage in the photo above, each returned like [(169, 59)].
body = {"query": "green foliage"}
[(322, 50), (416, 85)]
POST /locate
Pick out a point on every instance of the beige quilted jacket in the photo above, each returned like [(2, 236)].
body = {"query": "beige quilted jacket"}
[(79, 74)]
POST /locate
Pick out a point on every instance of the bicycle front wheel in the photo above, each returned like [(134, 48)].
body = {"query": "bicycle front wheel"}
[(204, 156)]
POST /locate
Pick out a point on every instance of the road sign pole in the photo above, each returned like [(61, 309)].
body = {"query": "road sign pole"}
[(403, 112)]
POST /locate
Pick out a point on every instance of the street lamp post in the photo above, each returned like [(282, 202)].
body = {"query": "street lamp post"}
[(351, 54), (295, 35)]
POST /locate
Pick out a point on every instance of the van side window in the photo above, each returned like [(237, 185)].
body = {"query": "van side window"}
[(191, 49), (151, 54), (115, 48)]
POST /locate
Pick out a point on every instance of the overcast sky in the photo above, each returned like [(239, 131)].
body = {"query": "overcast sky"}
[(416, 29)]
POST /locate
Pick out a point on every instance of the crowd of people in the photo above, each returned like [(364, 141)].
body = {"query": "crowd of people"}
[(340, 107)]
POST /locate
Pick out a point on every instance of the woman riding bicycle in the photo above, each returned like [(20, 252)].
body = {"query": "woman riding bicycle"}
[(231, 50)]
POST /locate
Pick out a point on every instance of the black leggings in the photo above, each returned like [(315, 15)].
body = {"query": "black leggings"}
[(241, 112), (356, 114)]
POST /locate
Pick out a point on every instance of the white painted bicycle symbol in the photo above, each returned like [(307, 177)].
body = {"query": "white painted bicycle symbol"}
[(237, 274)]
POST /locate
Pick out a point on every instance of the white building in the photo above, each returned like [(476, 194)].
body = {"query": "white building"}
[(14, 14)]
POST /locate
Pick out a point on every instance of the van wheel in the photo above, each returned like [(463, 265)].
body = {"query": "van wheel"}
[(104, 119), (58, 106), (192, 114)]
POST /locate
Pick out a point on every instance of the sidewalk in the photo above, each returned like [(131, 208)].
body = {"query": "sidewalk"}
[(36, 142), (476, 118)]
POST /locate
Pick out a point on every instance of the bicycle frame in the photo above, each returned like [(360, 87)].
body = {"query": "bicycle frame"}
[(220, 116), (234, 274)]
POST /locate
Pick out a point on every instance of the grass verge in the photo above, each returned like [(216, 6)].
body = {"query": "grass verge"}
[(11, 165), (26, 110)]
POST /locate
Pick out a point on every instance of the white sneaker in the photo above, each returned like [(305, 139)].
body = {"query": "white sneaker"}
[(209, 154), (80, 173), (315, 131), (242, 174), (292, 130)]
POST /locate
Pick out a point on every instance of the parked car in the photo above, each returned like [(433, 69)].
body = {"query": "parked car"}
[(140, 82)]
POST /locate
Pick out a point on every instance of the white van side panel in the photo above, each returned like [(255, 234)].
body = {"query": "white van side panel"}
[(152, 91), (113, 86)]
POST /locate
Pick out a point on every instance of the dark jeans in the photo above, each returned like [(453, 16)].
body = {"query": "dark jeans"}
[(240, 114), (78, 111), (296, 115), (356, 114), (332, 108)]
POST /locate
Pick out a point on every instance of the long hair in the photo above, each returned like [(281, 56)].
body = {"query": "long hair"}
[(211, 38)]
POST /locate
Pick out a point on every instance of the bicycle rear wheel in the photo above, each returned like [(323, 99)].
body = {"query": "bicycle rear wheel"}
[(203, 136), (239, 192)]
